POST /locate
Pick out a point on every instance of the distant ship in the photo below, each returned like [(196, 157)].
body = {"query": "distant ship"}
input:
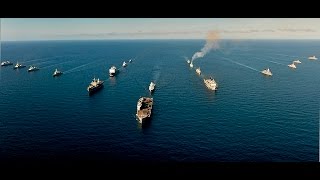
[(112, 71), (95, 85), (6, 63), (267, 72), (32, 68), (292, 65), (312, 58), (152, 86), (198, 71), (144, 108), (191, 65), (297, 62), (57, 73), (210, 83), (17, 66), (124, 64)]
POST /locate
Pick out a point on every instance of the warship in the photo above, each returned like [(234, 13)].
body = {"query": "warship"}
[(151, 87), (17, 66), (57, 73), (210, 83), (6, 63), (144, 108), (112, 71), (95, 85)]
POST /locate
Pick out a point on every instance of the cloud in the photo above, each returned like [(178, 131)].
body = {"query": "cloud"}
[(247, 31), (296, 30), (138, 33), (141, 33)]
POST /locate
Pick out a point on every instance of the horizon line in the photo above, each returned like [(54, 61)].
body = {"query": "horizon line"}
[(142, 39)]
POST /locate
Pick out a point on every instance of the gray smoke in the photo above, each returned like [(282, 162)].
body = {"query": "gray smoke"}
[(211, 43)]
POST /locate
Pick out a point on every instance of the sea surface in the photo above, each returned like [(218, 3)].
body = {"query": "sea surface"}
[(250, 118)]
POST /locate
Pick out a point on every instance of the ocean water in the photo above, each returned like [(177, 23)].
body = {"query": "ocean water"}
[(250, 118)]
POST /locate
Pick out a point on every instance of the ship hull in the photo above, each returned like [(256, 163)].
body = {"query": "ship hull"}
[(142, 120), (6, 64), (19, 67), (57, 75)]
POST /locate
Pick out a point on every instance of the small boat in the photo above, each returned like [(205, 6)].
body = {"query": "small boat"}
[(32, 68), (152, 86), (17, 66), (6, 63), (266, 72), (210, 83), (130, 61), (292, 65), (124, 64), (57, 73), (95, 85), (112, 71), (297, 62), (312, 58), (191, 65), (198, 71), (188, 62)]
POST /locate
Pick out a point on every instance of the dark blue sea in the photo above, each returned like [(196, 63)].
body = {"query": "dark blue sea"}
[(250, 118)]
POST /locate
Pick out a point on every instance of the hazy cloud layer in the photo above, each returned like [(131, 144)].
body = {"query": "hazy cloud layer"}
[(152, 33)]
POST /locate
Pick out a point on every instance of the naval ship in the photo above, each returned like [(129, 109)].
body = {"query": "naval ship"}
[(210, 83), (266, 72), (152, 86), (32, 68), (6, 63), (312, 58), (297, 61), (112, 71), (57, 73), (293, 66), (17, 66), (198, 71), (144, 108), (95, 85)]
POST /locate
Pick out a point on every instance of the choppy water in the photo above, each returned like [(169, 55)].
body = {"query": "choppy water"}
[(250, 118)]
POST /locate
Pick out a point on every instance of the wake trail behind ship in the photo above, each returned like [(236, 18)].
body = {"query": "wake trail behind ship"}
[(240, 64)]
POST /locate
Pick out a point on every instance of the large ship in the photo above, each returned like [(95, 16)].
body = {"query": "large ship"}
[(312, 58), (112, 71), (32, 68), (95, 85), (144, 108), (17, 66), (56, 73), (152, 86), (210, 83), (266, 72), (292, 65), (6, 63), (198, 71)]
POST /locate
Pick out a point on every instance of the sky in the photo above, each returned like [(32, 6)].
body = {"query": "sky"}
[(25, 29)]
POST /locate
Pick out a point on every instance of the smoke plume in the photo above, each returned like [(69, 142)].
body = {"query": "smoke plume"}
[(211, 43)]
